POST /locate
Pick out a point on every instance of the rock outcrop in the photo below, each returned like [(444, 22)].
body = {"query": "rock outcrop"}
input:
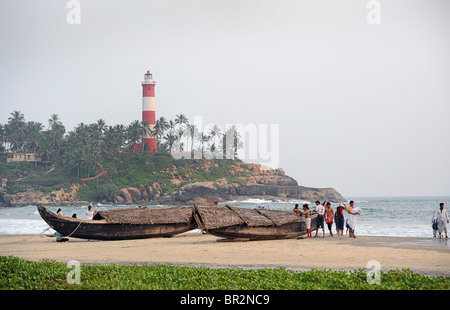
[(62, 196), (244, 181), (259, 183), (199, 193)]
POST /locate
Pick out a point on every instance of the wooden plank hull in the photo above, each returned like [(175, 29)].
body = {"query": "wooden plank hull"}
[(251, 224), (286, 231), (103, 230)]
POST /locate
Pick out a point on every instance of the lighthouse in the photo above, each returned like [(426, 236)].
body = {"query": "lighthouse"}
[(148, 110)]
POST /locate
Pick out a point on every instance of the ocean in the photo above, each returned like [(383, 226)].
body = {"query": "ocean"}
[(381, 216)]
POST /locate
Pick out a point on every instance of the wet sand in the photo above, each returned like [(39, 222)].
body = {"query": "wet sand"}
[(425, 255)]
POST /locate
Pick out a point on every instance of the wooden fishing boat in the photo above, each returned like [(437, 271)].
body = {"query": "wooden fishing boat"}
[(251, 224), (126, 223)]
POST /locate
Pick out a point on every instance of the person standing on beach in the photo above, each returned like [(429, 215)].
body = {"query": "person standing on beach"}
[(306, 213), (339, 218), (321, 213), (329, 217), (352, 219), (443, 220), (435, 223)]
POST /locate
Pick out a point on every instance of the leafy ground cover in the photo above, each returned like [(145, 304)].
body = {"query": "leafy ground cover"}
[(19, 274)]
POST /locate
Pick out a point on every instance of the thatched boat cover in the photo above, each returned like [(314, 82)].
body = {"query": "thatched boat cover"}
[(252, 217), (222, 216), (281, 217), (218, 216), (144, 215)]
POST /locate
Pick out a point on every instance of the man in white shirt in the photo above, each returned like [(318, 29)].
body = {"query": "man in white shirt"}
[(443, 220), (321, 213), (351, 222), (89, 213)]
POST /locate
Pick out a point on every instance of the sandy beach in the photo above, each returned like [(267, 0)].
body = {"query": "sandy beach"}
[(424, 255)]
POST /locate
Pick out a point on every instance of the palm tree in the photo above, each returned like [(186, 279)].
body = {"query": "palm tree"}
[(134, 133), (53, 121), (193, 132), (113, 140), (79, 157), (101, 125), (95, 134), (15, 130), (181, 119), (16, 117), (183, 123), (95, 162), (56, 130), (215, 133), (161, 125), (171, 125), (33, 131), (2, 138), (171, 139), (204, 139), (68, 147), (45, 148), (231, 142)]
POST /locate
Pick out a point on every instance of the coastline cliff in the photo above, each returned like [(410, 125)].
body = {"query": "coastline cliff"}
[(180, 183)]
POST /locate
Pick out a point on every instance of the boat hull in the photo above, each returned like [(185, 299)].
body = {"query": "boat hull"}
[(103, 230), (251, 224), (286, 231)]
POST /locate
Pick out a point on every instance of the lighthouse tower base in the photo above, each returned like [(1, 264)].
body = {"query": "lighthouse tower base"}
[(148, 144)]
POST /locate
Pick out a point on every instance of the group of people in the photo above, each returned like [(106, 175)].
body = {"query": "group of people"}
[(89, 213), (439, 222), (326, 214), (89, 216)]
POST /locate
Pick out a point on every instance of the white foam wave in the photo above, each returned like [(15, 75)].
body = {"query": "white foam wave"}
[(22, 227)]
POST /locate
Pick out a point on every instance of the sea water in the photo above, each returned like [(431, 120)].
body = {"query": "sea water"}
[(381, 216)]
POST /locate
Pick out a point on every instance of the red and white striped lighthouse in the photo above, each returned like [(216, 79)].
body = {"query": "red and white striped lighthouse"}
[(148, 110)]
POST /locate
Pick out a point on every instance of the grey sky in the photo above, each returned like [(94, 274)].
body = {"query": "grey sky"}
[(361, 108)]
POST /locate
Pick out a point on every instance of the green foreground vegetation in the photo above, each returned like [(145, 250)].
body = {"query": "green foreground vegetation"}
[(19, 274)]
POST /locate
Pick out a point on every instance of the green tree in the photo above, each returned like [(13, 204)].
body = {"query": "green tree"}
[(33, 136), (2, 138), (170, 140), (231, 142), (46, 148), (15, 131), (193, 133), (56, 131), (215, 134), (134, 133)]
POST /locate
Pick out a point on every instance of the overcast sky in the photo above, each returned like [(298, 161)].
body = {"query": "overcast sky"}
[(362, 108)]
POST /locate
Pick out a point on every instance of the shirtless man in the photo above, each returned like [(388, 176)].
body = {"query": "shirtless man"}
[(305, 212), (329, 217)]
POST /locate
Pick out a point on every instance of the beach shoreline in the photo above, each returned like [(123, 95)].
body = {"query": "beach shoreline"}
[(428, 256)]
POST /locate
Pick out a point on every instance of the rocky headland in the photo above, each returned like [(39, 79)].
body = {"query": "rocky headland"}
[(251, 181)]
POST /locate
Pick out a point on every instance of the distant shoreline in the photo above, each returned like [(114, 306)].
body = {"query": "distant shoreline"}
[(445, 199)]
